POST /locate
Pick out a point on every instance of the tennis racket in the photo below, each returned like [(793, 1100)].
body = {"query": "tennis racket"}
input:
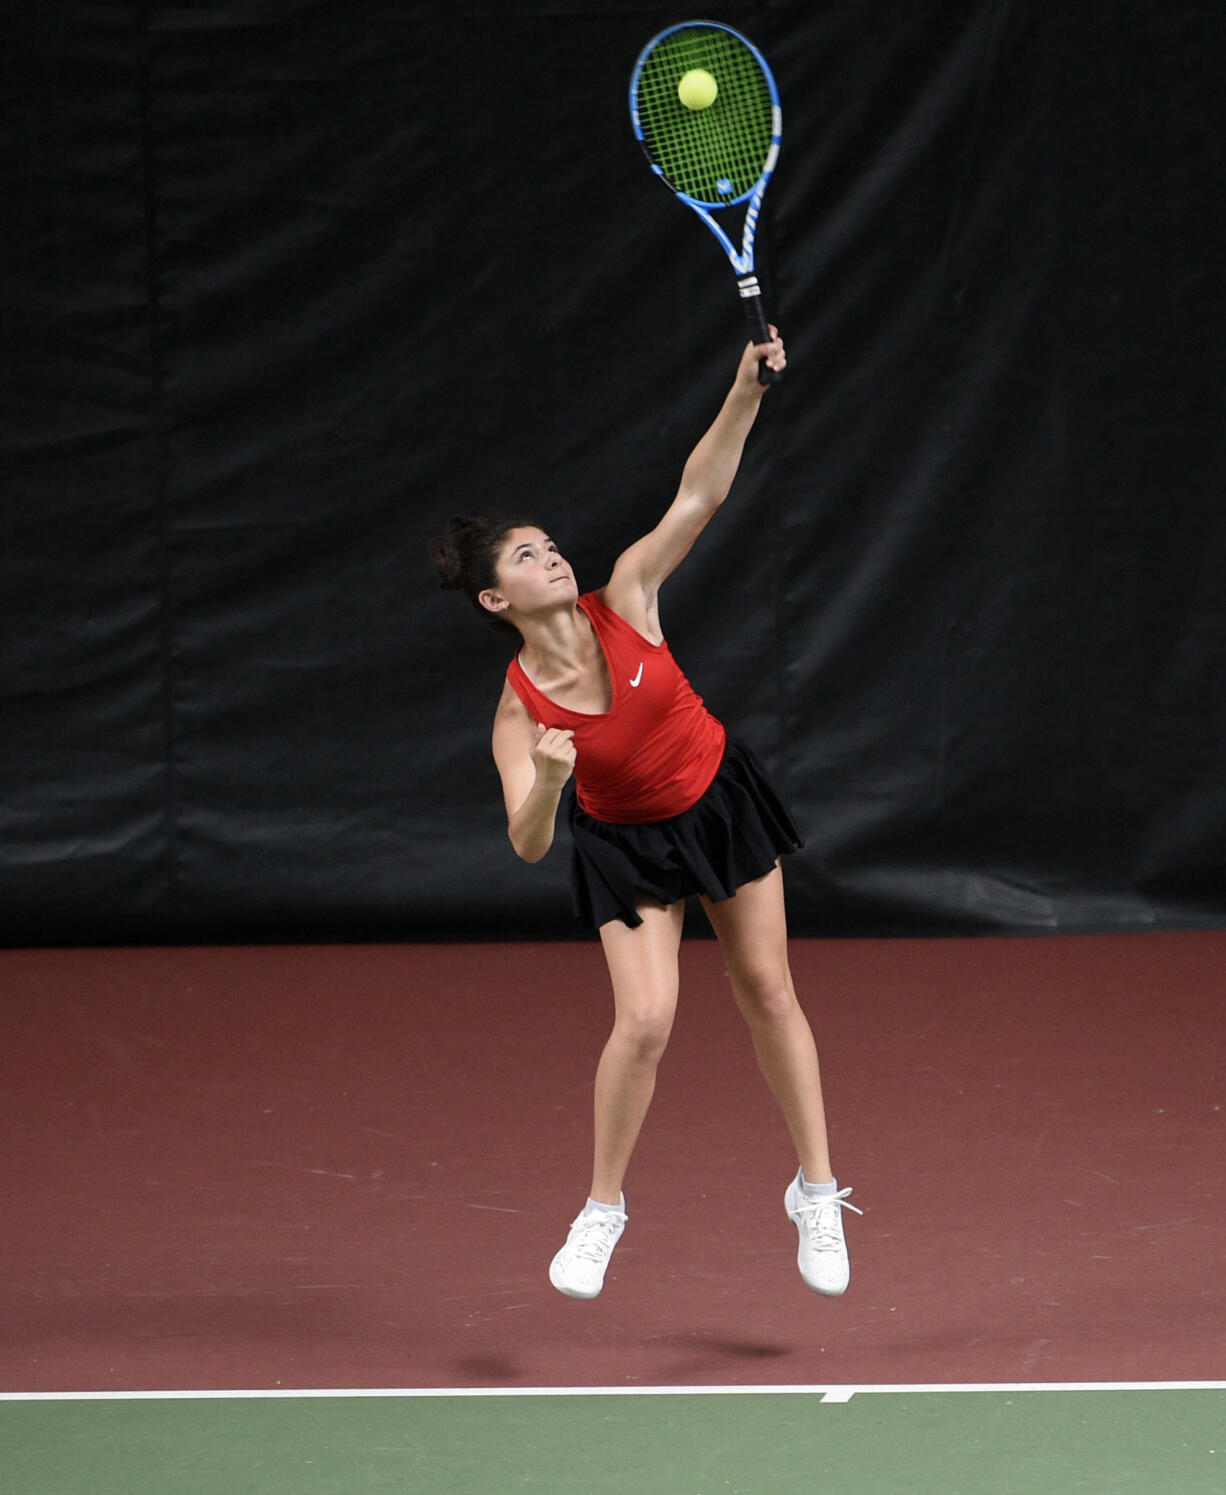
[(714, 147)]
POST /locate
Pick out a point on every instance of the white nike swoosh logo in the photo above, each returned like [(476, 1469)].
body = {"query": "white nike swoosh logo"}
[(638, 677)]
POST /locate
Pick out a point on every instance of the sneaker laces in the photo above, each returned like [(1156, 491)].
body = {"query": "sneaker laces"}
[(595, 1235), (823, 1217)]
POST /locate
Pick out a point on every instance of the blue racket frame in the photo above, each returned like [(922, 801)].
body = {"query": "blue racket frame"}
[(742, 259)]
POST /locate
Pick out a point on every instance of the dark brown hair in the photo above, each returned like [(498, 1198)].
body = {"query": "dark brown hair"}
[(465, 556)]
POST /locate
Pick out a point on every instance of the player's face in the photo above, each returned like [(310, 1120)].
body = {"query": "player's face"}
[(532, 573)]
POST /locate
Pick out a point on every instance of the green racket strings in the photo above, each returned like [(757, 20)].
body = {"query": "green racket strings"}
[(714, 155)]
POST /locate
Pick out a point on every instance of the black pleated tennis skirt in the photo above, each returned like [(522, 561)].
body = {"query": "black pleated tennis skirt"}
[(733, 835)]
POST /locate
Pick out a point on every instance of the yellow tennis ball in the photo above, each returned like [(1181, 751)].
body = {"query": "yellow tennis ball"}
[(697, 89)]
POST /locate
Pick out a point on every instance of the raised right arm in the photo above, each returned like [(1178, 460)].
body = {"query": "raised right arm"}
[(534, 764), (640, 571)]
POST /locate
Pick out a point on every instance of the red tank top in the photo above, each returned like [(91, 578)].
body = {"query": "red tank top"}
[(654, 753)]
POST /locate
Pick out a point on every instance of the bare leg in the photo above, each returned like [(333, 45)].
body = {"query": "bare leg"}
[(643, 967), (752, 932)]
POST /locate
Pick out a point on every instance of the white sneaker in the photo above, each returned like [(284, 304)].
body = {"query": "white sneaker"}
[(578, 1269), (822, 1255)]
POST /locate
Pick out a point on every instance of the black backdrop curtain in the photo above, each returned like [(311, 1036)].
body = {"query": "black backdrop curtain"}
[(286, 283)]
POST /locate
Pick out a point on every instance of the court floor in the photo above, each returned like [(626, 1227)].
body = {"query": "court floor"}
[(278, 1219), (995, 1441)]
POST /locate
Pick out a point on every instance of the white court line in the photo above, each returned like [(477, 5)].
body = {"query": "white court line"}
[(836, 1395)]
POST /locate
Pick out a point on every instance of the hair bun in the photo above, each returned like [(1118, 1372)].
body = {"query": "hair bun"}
[(465, 556), (451, 550)]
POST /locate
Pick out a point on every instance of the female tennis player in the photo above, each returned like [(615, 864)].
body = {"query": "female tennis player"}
[(666, 804)]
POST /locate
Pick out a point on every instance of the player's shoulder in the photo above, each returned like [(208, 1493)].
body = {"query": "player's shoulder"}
[(511, 715), (623, 594), (626, 598)]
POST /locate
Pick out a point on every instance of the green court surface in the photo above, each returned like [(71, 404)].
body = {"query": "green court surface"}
[(994, 1441)]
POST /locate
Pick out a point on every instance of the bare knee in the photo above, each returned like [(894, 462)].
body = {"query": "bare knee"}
[(765, 993), (643, 1031)]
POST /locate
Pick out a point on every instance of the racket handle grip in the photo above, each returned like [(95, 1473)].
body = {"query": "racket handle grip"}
[(759, 331)]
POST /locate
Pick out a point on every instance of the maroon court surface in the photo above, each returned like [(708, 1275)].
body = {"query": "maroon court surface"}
[(349, 1167)]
